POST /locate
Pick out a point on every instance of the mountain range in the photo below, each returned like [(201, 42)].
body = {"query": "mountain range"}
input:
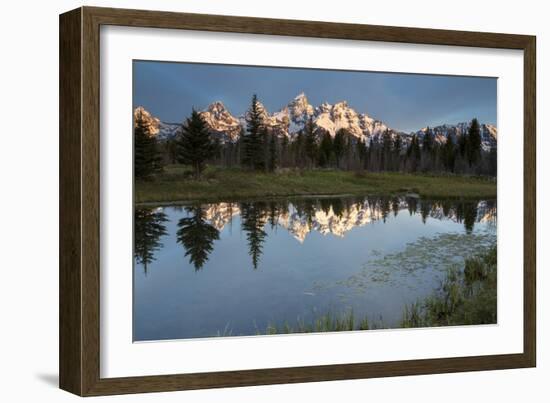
[(327, 118)]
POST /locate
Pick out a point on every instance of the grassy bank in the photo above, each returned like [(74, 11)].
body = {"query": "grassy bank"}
[(323, 323), (177, 184), (467, 296)]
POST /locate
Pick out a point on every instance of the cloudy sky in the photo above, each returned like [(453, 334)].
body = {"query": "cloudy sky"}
[(405, 102)]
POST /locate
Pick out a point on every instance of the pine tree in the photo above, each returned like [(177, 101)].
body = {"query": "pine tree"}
[(370, 154), (147, 158), (284, 151), (428, 141), (325, 150), (273, 160), (463, 144), (473, 145), (194, 145), (428, 150), (339, 145), (413, 153), (448, 154), (253, 145), (298, 147), (397, 146), (362, 152), (386, 149), (310, 142), (493, 161)]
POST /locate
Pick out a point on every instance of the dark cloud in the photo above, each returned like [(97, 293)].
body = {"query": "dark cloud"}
[(403, 101)]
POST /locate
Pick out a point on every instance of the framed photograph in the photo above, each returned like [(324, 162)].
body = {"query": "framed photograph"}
[(249, 201)]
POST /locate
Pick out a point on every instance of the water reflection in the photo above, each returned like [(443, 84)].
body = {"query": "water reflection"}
[(200, 227), (148, 228), (196, 235)]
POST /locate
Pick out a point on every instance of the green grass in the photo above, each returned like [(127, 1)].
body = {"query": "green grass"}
[(323, 323), (177, 184), (467, 296)]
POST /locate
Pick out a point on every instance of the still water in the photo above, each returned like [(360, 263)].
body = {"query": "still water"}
[(229, 269)]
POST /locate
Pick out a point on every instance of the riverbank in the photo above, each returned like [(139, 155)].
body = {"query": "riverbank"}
[(177, 184)]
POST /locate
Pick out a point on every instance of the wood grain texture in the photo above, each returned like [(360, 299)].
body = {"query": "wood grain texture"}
[(530, 202), (70, 270), (80, 200)]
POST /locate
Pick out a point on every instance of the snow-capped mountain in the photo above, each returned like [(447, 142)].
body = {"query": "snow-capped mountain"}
[(221, 122), (327, 118), (488, 133)]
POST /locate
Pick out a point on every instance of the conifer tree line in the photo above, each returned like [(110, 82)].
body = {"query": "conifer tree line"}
[(260, 148)]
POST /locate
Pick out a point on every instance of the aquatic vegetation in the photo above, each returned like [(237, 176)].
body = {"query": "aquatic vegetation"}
[(435, 254), (466, 296)]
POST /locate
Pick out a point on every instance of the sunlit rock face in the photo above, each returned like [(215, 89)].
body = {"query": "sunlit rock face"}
[(327, 221), (151, 123), (327, 118), (221, 122), (220, 214)]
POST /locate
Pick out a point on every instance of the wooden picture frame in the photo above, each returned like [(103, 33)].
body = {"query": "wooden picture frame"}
[(79, 346)]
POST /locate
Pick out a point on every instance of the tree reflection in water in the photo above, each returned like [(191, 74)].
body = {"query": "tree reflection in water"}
[(253, 219), (197, 236), (202, 224), (148, 228)]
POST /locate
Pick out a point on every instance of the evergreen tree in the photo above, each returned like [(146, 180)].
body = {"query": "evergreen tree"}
[(386, 149), (339, 145), (413, 153), (298, 148), (325, 150), (448, 154), (428, 149), (241, 147), (473, 145), (362, 152), (253, 145), (463, 144), (428, 141), (370, 154), (397, 146), (310, 142), (147, 158), (273, 160), (284, 151), (493, 161), (194, 145)]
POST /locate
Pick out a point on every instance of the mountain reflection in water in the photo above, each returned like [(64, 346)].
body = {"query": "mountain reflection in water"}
[(200, 226)]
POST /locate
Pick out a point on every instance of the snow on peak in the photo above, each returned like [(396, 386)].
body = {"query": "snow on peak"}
[(441, 132), (221, 122)]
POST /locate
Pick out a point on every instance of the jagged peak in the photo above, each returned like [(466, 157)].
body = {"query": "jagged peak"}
[(151, 122), (341, 104), (216, 105)]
